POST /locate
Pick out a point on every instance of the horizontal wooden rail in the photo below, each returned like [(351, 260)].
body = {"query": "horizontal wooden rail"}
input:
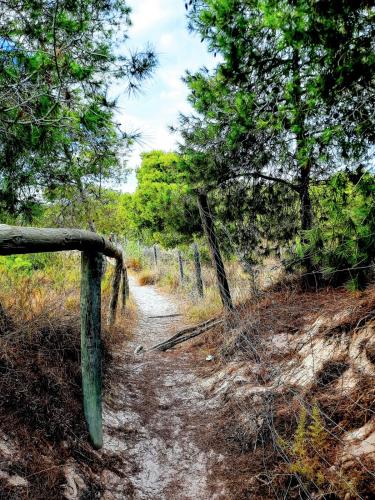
[(21, 240), (17, 240)]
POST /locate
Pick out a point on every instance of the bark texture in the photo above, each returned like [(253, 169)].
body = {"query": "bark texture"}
[(91, 349), (209, 229)]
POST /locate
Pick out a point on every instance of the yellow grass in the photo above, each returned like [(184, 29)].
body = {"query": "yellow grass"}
[(147, 277), (203, 309)]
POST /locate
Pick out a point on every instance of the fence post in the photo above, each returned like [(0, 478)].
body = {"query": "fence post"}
[(115, 292), (217, 261), (127, 289), (198, 270), (123, 291), (124, 287), (91, 349), (155, 256), (181, 267)]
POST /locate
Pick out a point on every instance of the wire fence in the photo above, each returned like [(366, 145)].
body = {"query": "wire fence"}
[(290, 384), (295, 370)]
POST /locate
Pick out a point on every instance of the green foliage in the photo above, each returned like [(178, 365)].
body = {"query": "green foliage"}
[(163, 209), (308, 447), (57, 129), (308, 455), (289, 104), (342, 242), (108, 210), (24, 264)]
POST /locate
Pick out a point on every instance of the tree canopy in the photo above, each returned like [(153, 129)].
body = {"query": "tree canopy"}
[(57, 123), (289, 103), (163, 209)]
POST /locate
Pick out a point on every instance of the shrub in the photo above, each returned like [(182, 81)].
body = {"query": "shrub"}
[(308, 455), (134, 263), (147, 277), (342, 243)]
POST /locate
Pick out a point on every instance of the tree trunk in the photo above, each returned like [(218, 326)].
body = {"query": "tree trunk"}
[(304, 163), (306, 224), (91, 349), (217, 261), (198, 271), (181, 267), (305, 200)]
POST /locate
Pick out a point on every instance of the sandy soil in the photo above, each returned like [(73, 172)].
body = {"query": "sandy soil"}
[(156, 415)]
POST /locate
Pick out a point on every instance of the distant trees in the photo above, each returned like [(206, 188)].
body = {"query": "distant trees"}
[(56, 121), (106, 210), (163, 208)]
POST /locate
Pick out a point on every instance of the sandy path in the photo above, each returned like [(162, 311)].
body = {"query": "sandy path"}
[(156, 415)]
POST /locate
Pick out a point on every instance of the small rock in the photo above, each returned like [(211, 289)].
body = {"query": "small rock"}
[(15, 481), (75, 485), (139, 349), (210, 358)]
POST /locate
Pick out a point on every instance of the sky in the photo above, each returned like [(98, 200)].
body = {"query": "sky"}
[(163, 24)]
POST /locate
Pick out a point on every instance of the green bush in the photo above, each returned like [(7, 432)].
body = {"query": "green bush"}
[(25, 264), (342, 242)]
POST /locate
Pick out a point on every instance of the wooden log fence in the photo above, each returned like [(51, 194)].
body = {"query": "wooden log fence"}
[(22, 240)]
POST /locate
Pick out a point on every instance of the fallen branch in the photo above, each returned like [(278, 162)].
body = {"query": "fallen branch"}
[(165, 316), (186, 334), (184, 331)]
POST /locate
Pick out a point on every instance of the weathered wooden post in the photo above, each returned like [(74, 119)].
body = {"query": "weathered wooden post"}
[(198, 270), (116, 281), (155, 256), (123, 290), (91, 350), (124, 287), (127, 282), (23, 240), (217, 261), (181, 267)]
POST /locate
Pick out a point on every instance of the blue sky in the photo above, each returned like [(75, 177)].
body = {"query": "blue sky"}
[(162, 23)]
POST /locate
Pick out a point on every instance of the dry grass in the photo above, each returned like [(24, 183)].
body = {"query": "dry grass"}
[(252, 429), (147, 277), (134, 264), (40, 381), (196, 310)]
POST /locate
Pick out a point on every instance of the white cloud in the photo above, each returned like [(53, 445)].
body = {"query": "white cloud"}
[(162, 23), (146, 14), (166, 41)]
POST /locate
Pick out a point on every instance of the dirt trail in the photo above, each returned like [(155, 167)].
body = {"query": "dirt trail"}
[(156, 415)]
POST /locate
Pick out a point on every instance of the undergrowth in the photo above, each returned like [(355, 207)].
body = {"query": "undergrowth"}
[(41, 413), (147, 277), (287, 440)]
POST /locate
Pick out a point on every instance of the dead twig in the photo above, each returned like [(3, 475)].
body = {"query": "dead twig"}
[(186, 334)]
